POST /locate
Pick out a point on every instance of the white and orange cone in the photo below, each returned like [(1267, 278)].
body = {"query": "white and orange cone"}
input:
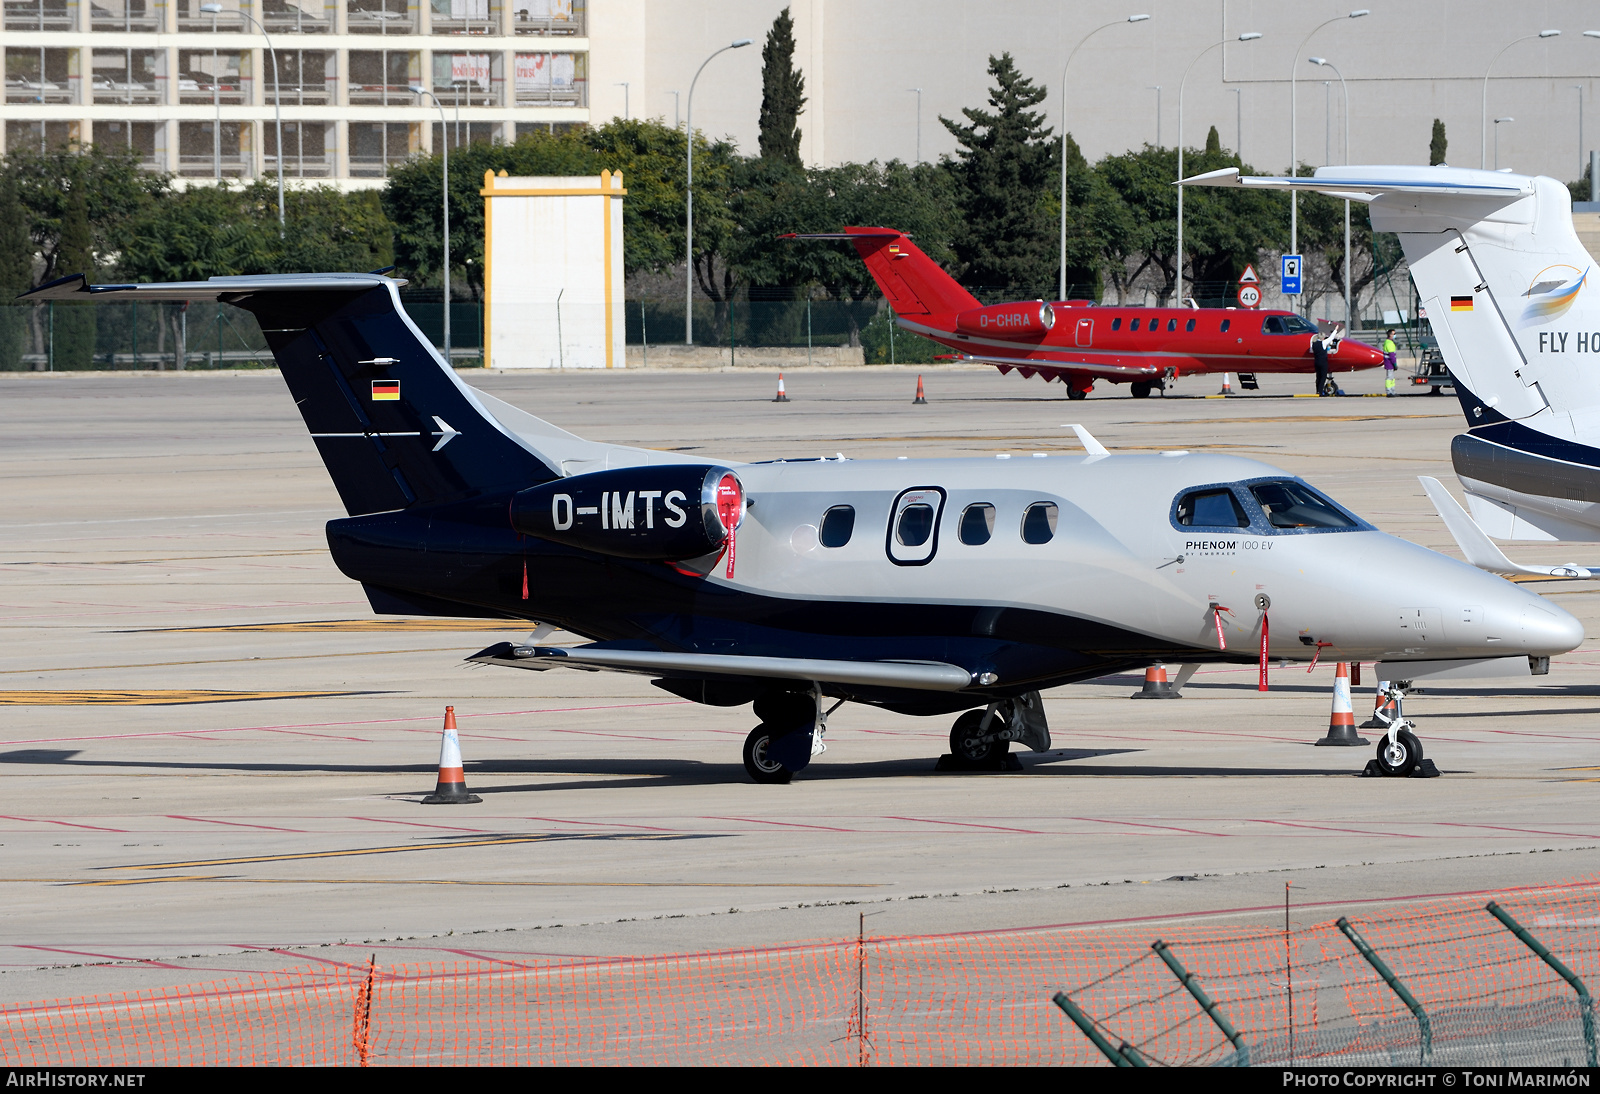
[(781, 397), (1227, 386), (452, 786), (1342, 722), (1156, 685), (1379, 719), (921, 398)]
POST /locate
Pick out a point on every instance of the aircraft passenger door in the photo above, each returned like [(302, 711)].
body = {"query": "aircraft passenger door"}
[(1083, 333), (913, 534)]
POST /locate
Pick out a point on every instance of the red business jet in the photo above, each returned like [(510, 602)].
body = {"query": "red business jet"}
[(1079, 342)]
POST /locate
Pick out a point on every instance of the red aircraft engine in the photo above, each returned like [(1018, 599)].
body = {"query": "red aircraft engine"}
[(1029, 319)]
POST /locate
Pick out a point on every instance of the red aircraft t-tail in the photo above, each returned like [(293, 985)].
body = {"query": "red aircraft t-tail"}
[(1079, 342)]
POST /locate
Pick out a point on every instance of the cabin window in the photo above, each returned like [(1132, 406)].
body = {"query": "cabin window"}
[(1039, 522), (1295, 505), (1212, 509), (915, 526), (1133, 326), (977, 524), (1189, 326), (1226, 323), (1172, 325), (837, 524), (1116, 324)]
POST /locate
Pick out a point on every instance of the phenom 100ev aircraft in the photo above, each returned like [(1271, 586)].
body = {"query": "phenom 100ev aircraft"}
[(1079, 341), (927, 587)]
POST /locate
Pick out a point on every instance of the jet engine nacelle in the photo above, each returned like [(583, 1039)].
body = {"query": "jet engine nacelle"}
[(1028, 319), (661, 513)]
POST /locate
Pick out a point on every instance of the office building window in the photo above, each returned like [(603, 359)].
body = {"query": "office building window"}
[(207, 149), (125, 15), (377, 146), (552, 79), (381, 16), (41, 75), (460, 133), (305, 77), (298, 16), (217, 76), (226, 21), (464, 16), (308, 149), (383, 77), (129, 76), (41, 14), (147, 140), (468, 79), (25, 136), (549, 17)]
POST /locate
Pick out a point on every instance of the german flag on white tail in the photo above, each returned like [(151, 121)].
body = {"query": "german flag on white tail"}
[(1461, 303), (386, 391)]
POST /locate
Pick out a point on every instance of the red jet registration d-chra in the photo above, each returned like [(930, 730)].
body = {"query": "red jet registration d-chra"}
[(1079, 342)]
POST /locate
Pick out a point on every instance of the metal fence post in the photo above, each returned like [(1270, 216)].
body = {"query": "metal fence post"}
[(1186, 978), (1585, 1003), (1424, 1027), (1085, 1023)]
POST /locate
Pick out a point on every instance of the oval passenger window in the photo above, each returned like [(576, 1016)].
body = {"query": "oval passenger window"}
[(916, 525), (1226, 323), (977, 524), (1039, 522), (1116, 324), (837, 524), (1189, 325)]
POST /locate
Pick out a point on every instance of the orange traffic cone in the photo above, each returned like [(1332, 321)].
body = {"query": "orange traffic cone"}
[(1227, 387), (1342, 722), (1156, 685), (1380, 718), (452, 786), (782, 398), (920, 399)]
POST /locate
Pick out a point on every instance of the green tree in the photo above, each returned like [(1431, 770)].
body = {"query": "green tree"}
[(110, 182), (72, 326), (1213, 142), (782, 94), (1437, 145), (16, 274), (1142, 183), (1003, 173)]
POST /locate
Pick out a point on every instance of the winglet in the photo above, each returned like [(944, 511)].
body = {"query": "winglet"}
[(1095, 449), (1479, 548)]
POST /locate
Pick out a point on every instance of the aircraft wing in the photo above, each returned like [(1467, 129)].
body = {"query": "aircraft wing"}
[(914, 675), (1107, 365), (1369, 183), (1481, 550)]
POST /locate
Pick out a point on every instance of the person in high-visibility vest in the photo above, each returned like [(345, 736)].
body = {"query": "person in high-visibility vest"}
[(1390, 353)]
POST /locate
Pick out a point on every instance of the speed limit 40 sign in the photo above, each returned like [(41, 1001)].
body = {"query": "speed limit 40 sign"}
[(1249, 296)]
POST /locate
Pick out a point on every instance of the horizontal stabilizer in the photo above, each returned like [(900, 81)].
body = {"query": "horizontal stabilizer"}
[(1480, 550), (1372, 182), (915, 675), (75, 287)]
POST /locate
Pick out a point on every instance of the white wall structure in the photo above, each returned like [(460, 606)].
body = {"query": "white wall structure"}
[(553, 271)]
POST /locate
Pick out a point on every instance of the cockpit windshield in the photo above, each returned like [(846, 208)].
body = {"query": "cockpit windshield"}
[(1287, 324), (1296, 505)]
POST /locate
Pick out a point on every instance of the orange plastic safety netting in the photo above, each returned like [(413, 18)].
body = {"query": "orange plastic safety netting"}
[(1306, 996)]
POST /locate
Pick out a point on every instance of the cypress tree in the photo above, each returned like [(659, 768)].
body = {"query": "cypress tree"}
[(74, 324), (16, 274), (1213, 143), (782, 93), (1006, 174), (1436, 146)]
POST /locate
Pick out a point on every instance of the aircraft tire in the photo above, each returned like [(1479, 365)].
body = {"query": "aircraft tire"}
[(1139, 390), (1076, 393), (757, 763), (964, 748), (1402, 759)]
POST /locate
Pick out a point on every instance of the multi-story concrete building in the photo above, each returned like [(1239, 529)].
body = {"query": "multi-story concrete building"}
[(189, 85)]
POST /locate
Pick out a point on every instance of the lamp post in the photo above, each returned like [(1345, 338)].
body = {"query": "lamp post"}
[(625, 112), (1248, 36), (1061, 285), (1294, 152), (1497, 123), (918, 92), (688, 233), (418, 90), (277, 99), (1238, 122), (1483, 134), (1345, 89), (1157, 89), (676, 95)]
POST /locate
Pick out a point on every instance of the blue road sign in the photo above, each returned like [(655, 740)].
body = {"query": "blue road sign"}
[(1290, 275)]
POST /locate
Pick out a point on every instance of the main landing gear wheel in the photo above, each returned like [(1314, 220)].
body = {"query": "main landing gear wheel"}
[(965, 743), (758, 759), (1401, 758), (1140, 390), (1076, 393)]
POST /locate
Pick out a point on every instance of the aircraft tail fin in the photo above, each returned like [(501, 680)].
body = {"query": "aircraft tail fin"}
[(912, 282), (393, 423)]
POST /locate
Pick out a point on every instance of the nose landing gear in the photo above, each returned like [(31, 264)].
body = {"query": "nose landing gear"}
[(1399, 752)]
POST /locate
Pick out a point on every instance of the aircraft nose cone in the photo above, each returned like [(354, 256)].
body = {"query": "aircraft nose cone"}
[(1547, 629)]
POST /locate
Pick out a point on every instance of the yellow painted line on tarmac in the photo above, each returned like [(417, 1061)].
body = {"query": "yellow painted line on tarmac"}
[(342, 626), (150, 697), (233, 660), (452, 845), (225, 878)]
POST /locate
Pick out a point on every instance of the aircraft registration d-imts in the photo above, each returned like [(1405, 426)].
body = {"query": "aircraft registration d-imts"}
[(927, 587)]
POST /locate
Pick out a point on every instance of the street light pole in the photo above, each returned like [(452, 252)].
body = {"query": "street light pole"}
[(688, 233), (1294, 152), (419, 91), (1483, 125), (1249, 36), (277, 99), (1497, 123), (918, 92), (626, 116), (1345, 89), (1061, 283)]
